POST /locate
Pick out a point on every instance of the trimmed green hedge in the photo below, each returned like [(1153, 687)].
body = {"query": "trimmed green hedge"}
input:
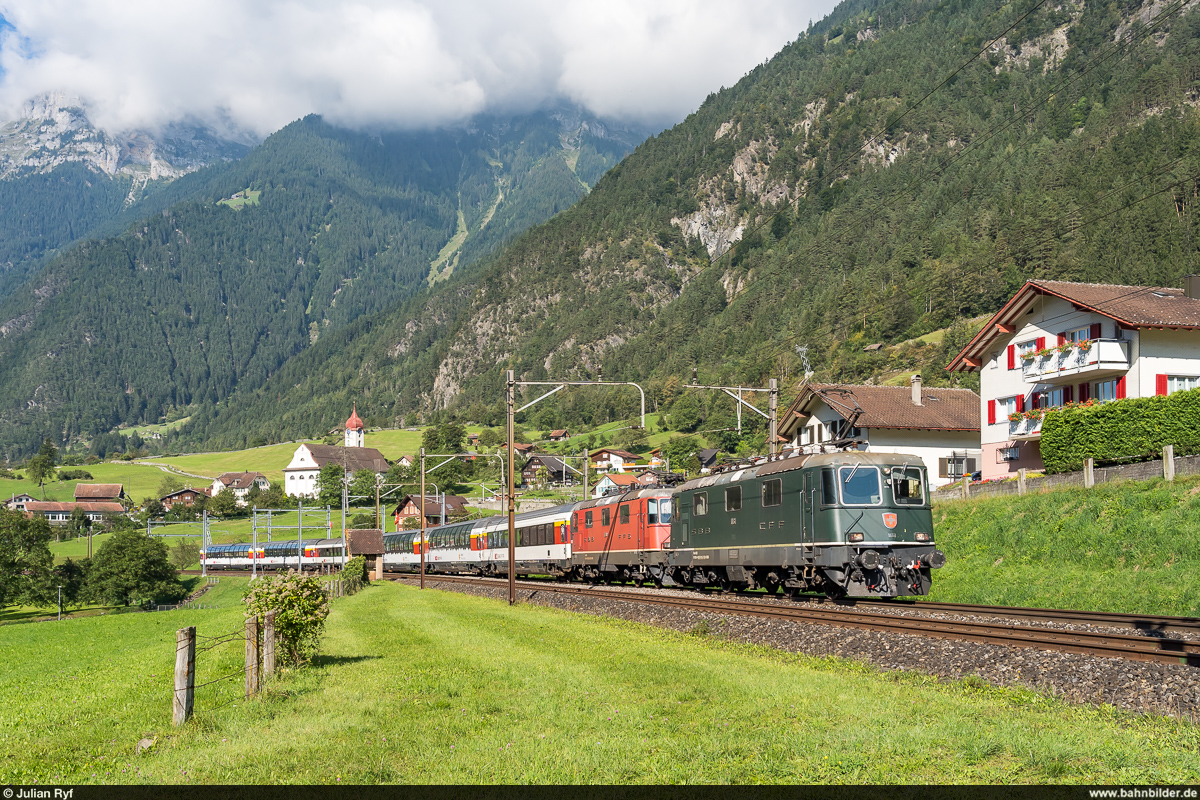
[(1120, 430)]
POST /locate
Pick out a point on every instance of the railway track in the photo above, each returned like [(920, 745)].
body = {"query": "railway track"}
[(1106, 645)]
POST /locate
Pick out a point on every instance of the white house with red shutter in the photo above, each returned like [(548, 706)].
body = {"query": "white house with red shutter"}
[(1056, 343)]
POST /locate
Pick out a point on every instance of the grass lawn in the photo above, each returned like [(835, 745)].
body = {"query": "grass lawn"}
[(139, 480), (527, 694), (1126, 547)]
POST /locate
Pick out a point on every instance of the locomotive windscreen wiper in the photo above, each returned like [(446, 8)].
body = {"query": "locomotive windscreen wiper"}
[(851, 475)]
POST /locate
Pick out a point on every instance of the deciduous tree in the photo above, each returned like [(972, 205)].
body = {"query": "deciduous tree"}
[(133, 566)]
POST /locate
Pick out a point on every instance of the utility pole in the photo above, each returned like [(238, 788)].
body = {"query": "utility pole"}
[(772, 414), (60, 602), (773, 421), (511, 398), (421, 511), (586, 458)]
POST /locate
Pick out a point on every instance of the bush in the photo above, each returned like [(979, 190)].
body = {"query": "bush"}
[(354, 574), (300, 608), (1120, 430), (74, 475)]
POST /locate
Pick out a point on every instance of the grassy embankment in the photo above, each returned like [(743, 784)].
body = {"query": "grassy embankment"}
[(139, 480), (527, 694), (1127, 547)]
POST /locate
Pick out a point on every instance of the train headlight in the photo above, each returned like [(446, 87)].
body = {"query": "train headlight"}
[(856, 537), (922, 537), (869, 559)]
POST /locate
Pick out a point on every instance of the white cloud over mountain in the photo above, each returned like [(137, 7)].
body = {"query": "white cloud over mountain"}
[(259, 65)]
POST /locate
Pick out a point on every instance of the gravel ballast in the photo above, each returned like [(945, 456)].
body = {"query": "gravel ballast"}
[(1139, 686)]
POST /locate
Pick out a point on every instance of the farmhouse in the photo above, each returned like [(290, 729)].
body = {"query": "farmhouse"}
[(60, 513), (99, 492), (560, 435), (436, 507), (300, 475), (1057, 342), (941, 426), (615, 483), (18, 501), (610, 460), (186, 497), (556, 469), (239, 483)]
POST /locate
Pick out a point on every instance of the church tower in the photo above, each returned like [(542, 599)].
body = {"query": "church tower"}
[(355, 435)]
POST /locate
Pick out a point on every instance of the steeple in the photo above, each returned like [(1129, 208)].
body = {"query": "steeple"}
[(355, 435)]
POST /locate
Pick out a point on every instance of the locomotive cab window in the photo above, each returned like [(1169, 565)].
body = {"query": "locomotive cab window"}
[(828, 488), (605, 516), (700, 504), (860, 486), (625, 514), (772, 492), (587, 519), (733, 498), (652, 512), (666, 510)]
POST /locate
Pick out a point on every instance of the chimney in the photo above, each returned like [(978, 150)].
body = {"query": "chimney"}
[(1191, 286), (916, 389)]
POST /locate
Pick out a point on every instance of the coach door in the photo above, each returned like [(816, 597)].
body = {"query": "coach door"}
[(807, 513)]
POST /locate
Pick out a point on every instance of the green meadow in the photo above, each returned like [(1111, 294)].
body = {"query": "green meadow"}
[(527, 694), (1127, 547)]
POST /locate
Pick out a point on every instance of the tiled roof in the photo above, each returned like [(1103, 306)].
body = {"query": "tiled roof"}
[(621, 479), (889, 407), (558, 433), (623, 454), (43, 506), (239, 480), (1132, 306), (549, 462), (354, 458), (433, 505), (93, 491)]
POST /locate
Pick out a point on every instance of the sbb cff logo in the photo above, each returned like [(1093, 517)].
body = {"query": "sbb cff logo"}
[(889, 520)]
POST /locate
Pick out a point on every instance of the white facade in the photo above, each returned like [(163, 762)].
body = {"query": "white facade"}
[(606, 461), (300, 475), (946, 454), (1019, 379)]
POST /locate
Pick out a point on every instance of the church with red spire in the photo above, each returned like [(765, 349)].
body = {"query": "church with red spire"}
[(300, 476)]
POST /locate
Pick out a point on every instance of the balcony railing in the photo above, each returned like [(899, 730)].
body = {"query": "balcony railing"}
[(1025, 428), (1100, 357)]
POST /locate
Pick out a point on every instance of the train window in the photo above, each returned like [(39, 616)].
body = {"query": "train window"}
[(652, 512), (860, 486), (828, 488), (699, 504), (666, 510), (772, 492), (625, 514), (605, 516), (733, 498), (587, 519)]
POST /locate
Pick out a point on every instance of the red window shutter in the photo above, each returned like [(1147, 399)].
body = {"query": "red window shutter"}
[(1085, 392), (1121, 388), (1035, 400), (1095, 330), (1062, 338), (1068, 394), (1020, 404), (1012, 356), (991, 412), (1040, 344), (1160, 385)]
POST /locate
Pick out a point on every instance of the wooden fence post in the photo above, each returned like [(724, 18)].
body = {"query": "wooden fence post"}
[(251, 656), (966, 482), (185, 675), (1169, 462), (269, 644), (1089, 473), (1021, 481)]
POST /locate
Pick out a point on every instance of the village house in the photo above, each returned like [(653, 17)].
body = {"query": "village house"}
[(615, 483), (560, 435), (17, 501), (556, 469), (239, 483), (99, 492), (707, 459), (437, 508), (518, 448), (301, 473), (941, 426), (186, 497), (1057, 342), (60, 513), (610, 460)]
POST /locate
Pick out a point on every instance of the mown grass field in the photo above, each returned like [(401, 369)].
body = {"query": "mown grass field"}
[(506, 695), (140, 480), (1126, 547)]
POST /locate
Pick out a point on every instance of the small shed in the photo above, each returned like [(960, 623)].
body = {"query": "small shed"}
[(366, 542)]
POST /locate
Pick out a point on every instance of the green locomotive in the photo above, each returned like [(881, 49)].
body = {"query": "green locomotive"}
[(846, 524)]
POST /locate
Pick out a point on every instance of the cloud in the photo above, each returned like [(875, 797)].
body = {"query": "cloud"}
[(259, 65)]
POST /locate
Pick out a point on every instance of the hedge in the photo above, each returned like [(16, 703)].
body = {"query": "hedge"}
[(1120, 430)]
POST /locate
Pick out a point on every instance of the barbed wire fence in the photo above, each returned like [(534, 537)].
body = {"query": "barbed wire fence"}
[(260, 645)]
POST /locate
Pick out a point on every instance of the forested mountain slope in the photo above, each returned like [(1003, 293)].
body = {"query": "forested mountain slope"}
[(254, 261), (901, 166)]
